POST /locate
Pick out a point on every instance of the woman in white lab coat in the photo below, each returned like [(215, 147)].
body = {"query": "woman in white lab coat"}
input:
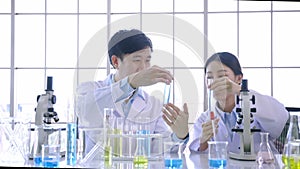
[(224, 72)]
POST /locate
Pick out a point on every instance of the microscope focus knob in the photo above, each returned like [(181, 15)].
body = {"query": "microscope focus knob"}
[(239, 121), (238, 99), (55, 117), (53, 99), (37, 98), (253, 99)]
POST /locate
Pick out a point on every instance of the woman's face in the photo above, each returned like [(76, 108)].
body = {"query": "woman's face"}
[(216, 70), (222, 80)]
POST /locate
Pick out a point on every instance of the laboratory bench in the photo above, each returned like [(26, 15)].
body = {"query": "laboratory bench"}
[(190, 161)]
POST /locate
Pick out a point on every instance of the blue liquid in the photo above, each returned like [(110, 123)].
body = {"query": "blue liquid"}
[(71, 143), (47, 163), (51, 164), (37, 161), (147, 142), (143, 132), (217, 163), (173, 163)]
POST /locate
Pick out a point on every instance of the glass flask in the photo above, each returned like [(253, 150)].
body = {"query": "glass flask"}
[(140, 160), (292, 135), (265, 154)]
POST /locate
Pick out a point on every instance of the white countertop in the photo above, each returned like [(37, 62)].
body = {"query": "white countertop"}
[(190, 161)]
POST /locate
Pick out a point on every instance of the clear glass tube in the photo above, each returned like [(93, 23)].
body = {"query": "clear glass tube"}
[(211, 105)]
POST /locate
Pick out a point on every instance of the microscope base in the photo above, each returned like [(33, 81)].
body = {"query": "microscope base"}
[(244, 157)]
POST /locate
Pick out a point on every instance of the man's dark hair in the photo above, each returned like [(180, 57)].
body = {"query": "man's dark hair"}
[(126, 42)]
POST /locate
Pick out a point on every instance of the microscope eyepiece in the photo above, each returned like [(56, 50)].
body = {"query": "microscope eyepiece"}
[(244, 85), (49, 83)]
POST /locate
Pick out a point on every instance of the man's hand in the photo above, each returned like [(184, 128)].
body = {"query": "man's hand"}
[(149, 77), (177, 119)]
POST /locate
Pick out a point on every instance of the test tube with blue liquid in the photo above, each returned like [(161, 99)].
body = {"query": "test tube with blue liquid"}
[(71, 136), (167, 93)]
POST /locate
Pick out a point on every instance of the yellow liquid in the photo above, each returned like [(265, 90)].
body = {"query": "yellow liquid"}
[(117, 143), (140, 162), (293, 164), (107, 156)]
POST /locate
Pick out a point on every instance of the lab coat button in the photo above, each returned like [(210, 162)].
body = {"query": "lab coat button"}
[(226, 136)]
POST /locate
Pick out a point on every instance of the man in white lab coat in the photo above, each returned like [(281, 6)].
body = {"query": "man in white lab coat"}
[(130, 54)]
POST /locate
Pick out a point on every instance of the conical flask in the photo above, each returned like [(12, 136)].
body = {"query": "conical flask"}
[(292, 135), (293, 132), (265, 154), (140, 160)]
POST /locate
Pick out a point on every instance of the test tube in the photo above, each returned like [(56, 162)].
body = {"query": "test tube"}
[(167, 93), (211, 106)]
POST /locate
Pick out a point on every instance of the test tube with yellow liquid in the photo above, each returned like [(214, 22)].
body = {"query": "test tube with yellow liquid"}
[(117, 146), (117, 140), (107, 122)]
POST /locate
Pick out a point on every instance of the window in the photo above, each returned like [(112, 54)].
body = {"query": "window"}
[(67, 39)]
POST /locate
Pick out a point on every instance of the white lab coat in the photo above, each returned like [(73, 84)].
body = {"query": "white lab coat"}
[(108, 94), (105, 94), (270, 117)]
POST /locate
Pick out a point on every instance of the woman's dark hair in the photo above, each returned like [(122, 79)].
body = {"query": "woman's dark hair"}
[(227, 59), (126, 42)]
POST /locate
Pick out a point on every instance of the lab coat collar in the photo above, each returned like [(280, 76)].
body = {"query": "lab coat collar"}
[(138, 92)]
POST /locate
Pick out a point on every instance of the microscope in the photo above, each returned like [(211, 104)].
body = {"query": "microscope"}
[(45, 113), (245, 116), (46, 128)]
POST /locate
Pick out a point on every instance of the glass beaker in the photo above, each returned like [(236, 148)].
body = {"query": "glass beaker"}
[(172, 155), (15, 141), (217, 154), (265, 154), (91, 142), (44, 135)]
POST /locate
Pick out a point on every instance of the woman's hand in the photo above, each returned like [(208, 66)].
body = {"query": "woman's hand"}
[(222, 87), (207, 133), (207, 130), (177, 119)]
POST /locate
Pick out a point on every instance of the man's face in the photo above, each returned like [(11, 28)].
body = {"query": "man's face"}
[(134, 62)]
